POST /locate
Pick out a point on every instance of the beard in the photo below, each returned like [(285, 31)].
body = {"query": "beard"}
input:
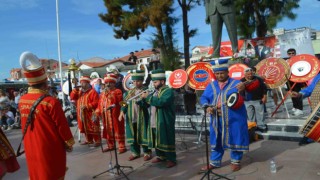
[(159, 86)]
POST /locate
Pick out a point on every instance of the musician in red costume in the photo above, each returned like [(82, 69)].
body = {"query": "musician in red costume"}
[(111, 96), (47, 136), (8, 160), (86, 100)]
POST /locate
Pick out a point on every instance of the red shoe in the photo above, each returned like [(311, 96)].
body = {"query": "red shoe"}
[(170, 164), (133, 157), (156, 160), (147, 157), (121, 151), (107, 149), (206, 168), (235, 167)]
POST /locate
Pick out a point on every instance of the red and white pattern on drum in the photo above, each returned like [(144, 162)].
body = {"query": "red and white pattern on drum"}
[(313, 62), (275, 71)]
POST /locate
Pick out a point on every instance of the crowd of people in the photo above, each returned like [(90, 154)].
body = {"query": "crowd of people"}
[(143, 118)]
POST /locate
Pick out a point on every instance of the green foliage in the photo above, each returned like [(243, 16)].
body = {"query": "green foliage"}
[(261, 16), (130, 18)]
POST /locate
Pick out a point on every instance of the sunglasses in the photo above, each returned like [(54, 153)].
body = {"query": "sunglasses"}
[(289, 53), (248, 70)]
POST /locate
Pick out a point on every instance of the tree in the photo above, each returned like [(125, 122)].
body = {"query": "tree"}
[(130, 18), (186, 6), (261, 16)]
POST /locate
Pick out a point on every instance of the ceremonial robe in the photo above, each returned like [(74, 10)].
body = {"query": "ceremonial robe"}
[(141, 118), (234, 121), (313, 91), (88, 99), (165, 120), (8, 160), (47, 136), (110, 117)]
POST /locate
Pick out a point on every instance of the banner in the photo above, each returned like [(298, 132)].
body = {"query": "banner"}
[(297, 39)]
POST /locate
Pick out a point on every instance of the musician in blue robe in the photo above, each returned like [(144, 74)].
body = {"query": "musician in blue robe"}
[(228, 125), (312, 91)]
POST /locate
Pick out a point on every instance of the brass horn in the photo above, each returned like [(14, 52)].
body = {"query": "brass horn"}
[(125, 103)]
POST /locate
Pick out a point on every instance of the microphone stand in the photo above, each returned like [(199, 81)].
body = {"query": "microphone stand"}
[(208, 171), (116, 166)]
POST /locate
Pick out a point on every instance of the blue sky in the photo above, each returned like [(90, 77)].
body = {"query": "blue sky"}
[(31, 25)]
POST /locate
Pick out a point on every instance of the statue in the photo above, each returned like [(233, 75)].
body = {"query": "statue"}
[(217, 13)]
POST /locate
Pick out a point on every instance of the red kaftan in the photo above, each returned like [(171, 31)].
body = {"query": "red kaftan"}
[(108, 98), (89, 100), (8, 160), (47, 136)]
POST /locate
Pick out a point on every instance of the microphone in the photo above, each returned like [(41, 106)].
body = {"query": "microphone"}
[(111, 106)]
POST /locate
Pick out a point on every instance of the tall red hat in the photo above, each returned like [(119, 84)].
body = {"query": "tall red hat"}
[(85, 78), (110, 78), (34, 73)]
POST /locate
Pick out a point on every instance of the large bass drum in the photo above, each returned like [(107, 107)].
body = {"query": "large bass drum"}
[(303, 67), (311, 129), (275, 71)]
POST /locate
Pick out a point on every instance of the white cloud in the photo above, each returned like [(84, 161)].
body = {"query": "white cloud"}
[(17, 4), (87, 7)]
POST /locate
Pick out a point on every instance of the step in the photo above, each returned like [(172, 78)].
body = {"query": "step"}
[(286, 125), (279, 135)]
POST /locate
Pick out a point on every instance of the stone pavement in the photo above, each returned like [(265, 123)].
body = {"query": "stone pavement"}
[(294, 162)]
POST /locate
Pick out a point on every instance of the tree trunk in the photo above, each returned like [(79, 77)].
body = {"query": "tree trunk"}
[(162, 44)]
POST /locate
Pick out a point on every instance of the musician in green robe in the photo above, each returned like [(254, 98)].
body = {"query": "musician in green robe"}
[(137, 118), (162, 119)]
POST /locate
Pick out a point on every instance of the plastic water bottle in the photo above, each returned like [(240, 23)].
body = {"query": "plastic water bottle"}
[(273, 166)]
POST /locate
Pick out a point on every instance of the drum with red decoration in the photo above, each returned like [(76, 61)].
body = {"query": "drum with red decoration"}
[(236, 71), (127, 82), (303, 67), (200, 75), (274, 71), (252, 85), (235, 101)]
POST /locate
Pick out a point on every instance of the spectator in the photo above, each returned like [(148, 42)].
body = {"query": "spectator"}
[(7, 118), (132, 59), (297, 102), (155, 60), (16, 98)]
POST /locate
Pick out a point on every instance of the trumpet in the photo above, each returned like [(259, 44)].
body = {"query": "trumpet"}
[(125, 103)]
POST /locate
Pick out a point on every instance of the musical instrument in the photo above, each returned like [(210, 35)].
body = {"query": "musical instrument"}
[(65, 87), (303, 67), (236, 71), (235, 101), (200, 74), (252, 85), (275, 71), (144, 68), (125, 103), (127, 82), (311, 129)]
